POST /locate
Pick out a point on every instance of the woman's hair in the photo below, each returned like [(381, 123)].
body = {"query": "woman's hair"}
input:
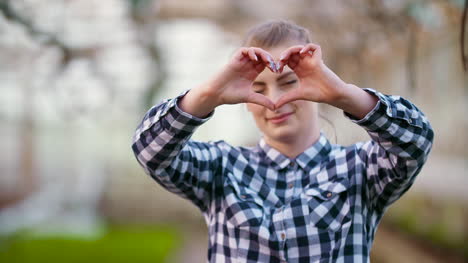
[(274, 33)]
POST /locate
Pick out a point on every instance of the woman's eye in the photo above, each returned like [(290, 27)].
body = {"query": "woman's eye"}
[(258, 91), (290, 82)]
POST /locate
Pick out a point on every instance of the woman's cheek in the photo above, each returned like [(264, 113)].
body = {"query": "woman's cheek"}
[(252, 107), (257, 111)]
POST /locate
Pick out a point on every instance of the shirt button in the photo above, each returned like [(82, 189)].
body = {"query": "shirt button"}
[(243, 196), (283, 236), (329, 194), (291, 185), (291, 164)]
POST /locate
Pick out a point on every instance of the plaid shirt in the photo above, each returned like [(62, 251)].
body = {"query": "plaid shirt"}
[(260, 206)]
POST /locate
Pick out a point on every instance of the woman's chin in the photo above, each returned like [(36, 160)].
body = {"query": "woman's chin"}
[(284, 134)]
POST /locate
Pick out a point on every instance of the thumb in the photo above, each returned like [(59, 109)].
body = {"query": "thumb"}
[(294, 94), (261, 100)]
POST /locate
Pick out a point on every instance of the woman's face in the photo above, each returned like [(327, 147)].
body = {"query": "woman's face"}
[(293, 120)]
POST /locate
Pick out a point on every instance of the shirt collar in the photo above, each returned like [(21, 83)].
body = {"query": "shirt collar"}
[(308, 159)]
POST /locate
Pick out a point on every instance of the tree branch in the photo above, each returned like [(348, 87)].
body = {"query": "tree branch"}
[(69, 53), (13, 16)]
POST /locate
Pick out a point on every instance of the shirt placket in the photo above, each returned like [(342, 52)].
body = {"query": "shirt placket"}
[(280, 227), (290, 182), (279, 216)]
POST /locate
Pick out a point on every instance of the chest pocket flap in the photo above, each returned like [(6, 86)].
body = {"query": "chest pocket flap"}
[(328, 204), (243, 207)]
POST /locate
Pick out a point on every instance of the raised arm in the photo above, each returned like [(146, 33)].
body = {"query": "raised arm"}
[(162, 144), (162, 147), (401, 135), (402, 138)]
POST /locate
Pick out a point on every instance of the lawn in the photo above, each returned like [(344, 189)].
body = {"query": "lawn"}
[(136, 244)]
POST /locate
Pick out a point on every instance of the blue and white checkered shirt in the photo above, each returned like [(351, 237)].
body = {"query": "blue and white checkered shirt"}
[(260, 206)]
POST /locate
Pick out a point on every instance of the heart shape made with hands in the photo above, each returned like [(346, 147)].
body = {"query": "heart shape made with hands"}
[(306, 62), (291, 56)]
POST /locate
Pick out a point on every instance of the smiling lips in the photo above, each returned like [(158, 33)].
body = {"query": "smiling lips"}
[(280, 118)]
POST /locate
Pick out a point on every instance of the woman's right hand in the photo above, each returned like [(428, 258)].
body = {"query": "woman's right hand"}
[(234, 84)]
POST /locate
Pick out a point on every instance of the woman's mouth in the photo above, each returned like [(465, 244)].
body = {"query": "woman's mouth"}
[(280, 118)]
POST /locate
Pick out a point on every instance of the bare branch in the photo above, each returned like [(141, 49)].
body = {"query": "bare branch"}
[(49, 39)]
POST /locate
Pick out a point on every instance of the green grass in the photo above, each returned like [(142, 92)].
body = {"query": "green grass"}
[(136, 244)]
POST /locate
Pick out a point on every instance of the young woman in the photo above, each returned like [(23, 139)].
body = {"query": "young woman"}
[(295, 197)]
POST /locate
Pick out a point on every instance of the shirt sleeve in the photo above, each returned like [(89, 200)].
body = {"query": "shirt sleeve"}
[(402, 138), (163, 148)]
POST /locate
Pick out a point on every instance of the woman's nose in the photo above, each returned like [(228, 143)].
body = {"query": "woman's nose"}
[(275, 94)]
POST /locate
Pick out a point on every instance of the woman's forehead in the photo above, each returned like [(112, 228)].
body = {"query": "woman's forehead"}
[(276, 51)]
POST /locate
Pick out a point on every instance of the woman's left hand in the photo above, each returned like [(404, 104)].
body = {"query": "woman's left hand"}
[(316, 81)]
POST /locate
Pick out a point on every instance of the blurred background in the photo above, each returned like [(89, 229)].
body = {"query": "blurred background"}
[(77, 76)]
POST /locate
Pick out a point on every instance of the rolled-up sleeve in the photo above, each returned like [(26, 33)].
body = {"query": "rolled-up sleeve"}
[(163, 148), (402, 138)]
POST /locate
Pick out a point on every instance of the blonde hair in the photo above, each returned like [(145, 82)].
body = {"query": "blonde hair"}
[(274, 33)]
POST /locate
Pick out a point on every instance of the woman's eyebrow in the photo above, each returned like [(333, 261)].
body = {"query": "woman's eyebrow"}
[(284, 75)]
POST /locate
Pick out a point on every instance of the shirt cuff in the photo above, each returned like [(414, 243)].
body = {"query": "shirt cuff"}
[(188, 115), (387, 107), (178, 120)]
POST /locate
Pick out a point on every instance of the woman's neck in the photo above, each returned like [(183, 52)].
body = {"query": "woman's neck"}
[(292, 147)]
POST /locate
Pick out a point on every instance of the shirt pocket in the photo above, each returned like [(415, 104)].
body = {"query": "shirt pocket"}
[(328, 205), (243, 208)]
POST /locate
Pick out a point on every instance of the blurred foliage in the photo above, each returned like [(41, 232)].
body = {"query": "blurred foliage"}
[(120, 243), (440, 223)]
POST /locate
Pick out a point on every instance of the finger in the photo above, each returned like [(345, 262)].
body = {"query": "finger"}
[(293, 61), (282, 64), (295, 58), (244, 59), (311, 49), (241, 53), (252, 55), (279, 66), (260, 67), (261, 100), (294, 94), (266, 58), (288, 52), (292, 65), (285, 56)]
